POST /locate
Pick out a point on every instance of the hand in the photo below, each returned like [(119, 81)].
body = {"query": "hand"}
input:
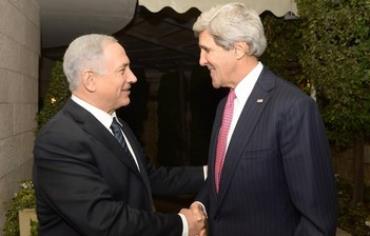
[(203, 232), (196, 220), (199, 210)]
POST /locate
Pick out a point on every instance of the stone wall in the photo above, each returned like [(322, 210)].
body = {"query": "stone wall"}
[(19, 65)]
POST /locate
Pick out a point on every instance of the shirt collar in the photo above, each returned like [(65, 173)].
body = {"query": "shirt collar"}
[(103, 117)]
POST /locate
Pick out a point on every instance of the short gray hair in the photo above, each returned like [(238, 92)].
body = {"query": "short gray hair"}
[(231, 23), (85, 52)]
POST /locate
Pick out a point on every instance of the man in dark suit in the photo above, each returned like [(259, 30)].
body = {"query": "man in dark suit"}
[(269, 160), (90, 173)]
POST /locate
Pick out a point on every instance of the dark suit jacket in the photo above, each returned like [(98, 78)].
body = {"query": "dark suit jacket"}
[(86, 184), (277, 178)]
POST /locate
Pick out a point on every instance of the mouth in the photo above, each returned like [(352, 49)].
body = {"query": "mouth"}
[(126, 90), (210, 68), (211, 71)]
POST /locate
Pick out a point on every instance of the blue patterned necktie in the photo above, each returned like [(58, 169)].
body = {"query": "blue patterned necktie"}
[(117, 132)]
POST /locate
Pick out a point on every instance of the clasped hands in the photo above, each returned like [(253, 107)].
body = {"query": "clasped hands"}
[(197, 219)]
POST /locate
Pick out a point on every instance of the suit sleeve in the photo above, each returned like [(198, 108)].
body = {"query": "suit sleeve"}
[(70, 183), (307, 165), (168, 180), (175, 180), (203, 195)]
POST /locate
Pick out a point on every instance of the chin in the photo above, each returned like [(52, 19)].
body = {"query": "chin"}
[(215, 85), (124, 103)]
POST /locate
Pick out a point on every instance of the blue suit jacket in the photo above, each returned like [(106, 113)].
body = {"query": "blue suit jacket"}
[(277, 178), (86, 184)]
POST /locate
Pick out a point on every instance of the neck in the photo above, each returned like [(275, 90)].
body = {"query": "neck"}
[(92, 101), (244, 66)]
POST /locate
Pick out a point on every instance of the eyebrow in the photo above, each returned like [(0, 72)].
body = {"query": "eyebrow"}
[(122, 66), (204, 47)]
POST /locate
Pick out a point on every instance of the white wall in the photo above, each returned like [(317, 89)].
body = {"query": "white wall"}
[(19, 65)]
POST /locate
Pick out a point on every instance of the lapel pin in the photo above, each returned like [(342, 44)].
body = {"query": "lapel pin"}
[(260, 100)]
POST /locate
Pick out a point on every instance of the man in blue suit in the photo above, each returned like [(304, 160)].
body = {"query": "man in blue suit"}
[(269, 160)]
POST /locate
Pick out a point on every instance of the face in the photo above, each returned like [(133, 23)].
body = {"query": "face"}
[(114, 83), (219, 61)]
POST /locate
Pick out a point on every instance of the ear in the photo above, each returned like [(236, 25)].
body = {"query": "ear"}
[(241, 49), (88, 80)]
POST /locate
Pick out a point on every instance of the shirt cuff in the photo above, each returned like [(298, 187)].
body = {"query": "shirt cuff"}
[(205, 172), (185, 227)]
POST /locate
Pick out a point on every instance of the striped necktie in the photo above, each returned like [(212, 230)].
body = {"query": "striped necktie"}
[(117, 132), (222, 136)]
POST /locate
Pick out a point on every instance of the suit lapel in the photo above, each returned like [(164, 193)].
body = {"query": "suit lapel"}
[(139, 155), (93, 127), (213, 144), (248, 119)]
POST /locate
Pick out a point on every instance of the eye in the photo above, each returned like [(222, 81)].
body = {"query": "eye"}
[(122, 71), (204, 50)]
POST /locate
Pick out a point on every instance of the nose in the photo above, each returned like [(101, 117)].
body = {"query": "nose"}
[(132, 78), (202, 58)]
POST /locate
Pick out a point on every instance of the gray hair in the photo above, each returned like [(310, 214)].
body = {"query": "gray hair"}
[(231, 23), (85, 52)]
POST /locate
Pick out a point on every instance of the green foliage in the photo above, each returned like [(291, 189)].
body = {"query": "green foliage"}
[(336, 57), (56, 95), (352, 219), (329, 47), (34, 228), (283, 44), (25, 198)]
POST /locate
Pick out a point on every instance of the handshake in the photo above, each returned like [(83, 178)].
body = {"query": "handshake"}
[(196, 217)]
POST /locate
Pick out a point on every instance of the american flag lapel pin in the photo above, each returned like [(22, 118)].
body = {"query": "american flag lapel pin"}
[(260, 100)]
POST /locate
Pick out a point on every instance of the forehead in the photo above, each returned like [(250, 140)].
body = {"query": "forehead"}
[(206, 39), (115, 54)]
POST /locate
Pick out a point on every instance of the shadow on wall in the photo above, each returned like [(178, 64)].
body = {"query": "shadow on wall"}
[(201, 101), (185, 112), (136, 112)]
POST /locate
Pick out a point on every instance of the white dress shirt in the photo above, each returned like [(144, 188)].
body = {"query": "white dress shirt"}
[(242, 91)]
